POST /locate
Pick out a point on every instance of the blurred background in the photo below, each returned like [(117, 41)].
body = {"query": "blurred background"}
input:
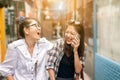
[(101, 23)]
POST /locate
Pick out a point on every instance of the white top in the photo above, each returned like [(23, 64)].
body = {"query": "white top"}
[(21, 65)]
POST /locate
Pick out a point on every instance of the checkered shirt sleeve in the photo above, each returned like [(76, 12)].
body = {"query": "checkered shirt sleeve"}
[(55, 56)]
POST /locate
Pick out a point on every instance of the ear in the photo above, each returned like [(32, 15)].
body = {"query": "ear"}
[(26, 30)]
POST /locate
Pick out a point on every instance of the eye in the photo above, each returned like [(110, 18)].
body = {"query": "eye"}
[(72, 33)]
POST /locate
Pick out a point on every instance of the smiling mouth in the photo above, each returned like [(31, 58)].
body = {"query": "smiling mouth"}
[(69, 39)]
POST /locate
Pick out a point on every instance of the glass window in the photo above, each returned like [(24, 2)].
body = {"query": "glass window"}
[(108, 28)]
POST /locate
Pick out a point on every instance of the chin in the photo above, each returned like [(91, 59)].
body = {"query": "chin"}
[(37, 39)]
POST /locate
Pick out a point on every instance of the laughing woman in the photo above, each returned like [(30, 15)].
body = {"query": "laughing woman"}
[(66, 57), (25, 58)]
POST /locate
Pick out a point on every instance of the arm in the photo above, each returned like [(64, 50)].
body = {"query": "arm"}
[(10, 77), (51, 74), (77, 64), (52, 57), (9, 64), (50, 65)]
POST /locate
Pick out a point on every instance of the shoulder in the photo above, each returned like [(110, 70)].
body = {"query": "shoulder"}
[(45, 43), (59, 43), (43, 40), (16, 43)]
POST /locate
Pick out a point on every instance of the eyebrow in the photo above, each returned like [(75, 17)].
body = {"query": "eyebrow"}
[(33, 24)]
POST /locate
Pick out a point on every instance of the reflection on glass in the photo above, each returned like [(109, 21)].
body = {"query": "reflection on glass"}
[(108, 25)]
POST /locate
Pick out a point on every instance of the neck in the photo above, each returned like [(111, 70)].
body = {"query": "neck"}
[(30, 43)]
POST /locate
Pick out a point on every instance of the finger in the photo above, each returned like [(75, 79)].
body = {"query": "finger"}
[(76, 40), (72, 44), (75, 43), (77, 37)]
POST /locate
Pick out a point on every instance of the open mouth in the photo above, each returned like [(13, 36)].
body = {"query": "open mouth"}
[(38, 33), (69, 39)]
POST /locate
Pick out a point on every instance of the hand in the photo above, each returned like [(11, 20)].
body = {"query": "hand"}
[(75, 43), (10, 77)]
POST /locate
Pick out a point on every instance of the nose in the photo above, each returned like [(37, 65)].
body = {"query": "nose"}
[(68, 34)]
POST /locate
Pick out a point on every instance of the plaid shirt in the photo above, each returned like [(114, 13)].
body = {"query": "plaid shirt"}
[(55, 56)]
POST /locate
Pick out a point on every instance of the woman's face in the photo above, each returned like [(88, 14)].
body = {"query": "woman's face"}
[(34, 30), (70, 34)]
